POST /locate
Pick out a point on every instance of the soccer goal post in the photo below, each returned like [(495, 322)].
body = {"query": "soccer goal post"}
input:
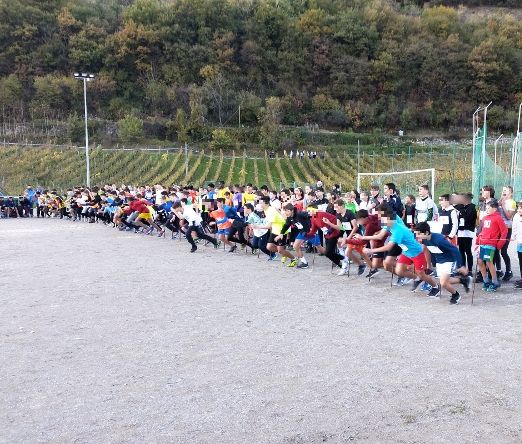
[(407, 182)]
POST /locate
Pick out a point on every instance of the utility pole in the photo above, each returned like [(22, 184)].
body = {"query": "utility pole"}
[(86, 78)]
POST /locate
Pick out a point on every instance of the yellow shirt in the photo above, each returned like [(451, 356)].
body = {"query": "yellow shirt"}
[(221, 192), (248, 198), (274, 217)]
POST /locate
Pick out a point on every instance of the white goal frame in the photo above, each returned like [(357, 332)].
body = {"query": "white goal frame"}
[(394, 173)]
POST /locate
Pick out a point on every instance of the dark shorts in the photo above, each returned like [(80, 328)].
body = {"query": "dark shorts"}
[(378, 255), (279, 243), (395, 251)]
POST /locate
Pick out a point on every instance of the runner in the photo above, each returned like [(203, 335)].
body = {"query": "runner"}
[(517, 237), (447, 258), (507, 208), (186, 212), (301, 221), (412, 253), (424, 205)]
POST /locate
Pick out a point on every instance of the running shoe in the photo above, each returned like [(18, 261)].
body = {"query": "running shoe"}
[(415, 285), (232, 249), (361, 270), (272, 257), (466, 282), (507, 276), (479, 278), (426, 287), (485, 286), (400, 282), (455, 299), (254, 250), (372, 273), (500, 274), (493, 288), (193, 249), (518, 284), (342, 272), (283, 259), (292, 263), (302, 265), (217, 244), (434, 292)]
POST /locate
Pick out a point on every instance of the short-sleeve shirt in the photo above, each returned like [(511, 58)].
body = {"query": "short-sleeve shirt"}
[(404, 238)]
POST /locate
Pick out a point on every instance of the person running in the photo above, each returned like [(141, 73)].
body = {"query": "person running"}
[(144, 218), (409, 213), (490, 240), (467, 225), (372, 227), (412, 252), (238, 227), (301, 221), (277, 239), (186, 212), (222, 222), (328, 224), (447, 259), (255, 216)]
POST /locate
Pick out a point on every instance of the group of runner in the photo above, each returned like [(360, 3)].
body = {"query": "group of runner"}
[(375, 230)]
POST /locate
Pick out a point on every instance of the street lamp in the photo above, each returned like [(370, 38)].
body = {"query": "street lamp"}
[(86, 78)]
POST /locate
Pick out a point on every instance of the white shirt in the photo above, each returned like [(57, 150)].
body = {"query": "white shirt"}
[(191, 216)]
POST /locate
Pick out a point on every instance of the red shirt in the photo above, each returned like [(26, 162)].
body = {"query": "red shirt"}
[(372, 227), (317, 224), (494, 231), (139, 205)]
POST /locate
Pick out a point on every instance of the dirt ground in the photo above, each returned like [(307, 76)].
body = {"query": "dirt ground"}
[(115, 337)]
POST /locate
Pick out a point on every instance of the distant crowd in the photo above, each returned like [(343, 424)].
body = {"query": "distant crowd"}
[(429, 246)]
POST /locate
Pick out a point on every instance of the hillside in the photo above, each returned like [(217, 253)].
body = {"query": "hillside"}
[(341, 64)]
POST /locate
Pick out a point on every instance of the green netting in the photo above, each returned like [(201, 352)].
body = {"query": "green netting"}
[(493, 164)]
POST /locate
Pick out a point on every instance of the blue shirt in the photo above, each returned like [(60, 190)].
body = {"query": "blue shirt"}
[(405, 239), (449, 253)]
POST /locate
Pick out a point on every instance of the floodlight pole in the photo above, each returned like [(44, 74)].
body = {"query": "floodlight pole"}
[(86, 78)]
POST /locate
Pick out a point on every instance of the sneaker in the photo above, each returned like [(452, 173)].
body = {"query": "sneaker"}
[(518, 284), (493, 288), (342, 272), (415, 285), (485, 286), (479, 278), (400, 282), (292, 263), (272, 257), (426, 287), (232, 249), (283, 259), (500, 274), (466, 282), (217, 244), (193, 249), (434, 292), (507, 276), (455, 299), (361, 270), (302, 265), (254, 250), (372, 273)]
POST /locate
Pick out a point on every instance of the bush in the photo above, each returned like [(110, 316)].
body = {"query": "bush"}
[(222, 140), (130, 128)]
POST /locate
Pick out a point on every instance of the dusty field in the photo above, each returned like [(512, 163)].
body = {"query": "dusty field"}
[(113, 337)]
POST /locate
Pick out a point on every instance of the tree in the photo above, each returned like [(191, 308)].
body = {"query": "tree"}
[(130, 128)]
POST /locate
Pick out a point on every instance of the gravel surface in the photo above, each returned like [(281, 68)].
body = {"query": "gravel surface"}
[(114, 337)]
